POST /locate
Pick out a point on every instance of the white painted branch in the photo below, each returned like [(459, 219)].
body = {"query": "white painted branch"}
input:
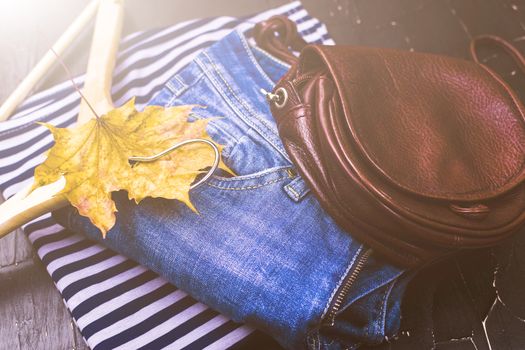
[(106, 37), (24, 206), (47, 61)]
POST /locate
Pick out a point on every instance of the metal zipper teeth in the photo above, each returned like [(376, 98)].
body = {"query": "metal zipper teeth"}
[(345, 288), (301, 78)]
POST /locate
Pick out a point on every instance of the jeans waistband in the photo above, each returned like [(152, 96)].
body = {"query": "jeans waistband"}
[(223, 64)]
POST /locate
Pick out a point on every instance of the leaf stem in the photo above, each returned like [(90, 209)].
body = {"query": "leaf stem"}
[(69, 75)]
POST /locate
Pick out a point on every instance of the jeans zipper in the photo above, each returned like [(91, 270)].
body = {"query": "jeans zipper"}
[(343, 291)]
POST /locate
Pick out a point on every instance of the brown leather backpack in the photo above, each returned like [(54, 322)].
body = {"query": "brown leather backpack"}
[(416, 155)]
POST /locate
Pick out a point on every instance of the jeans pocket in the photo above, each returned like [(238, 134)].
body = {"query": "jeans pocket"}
[(251, 181)]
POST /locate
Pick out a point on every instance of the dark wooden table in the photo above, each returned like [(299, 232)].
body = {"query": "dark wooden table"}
[(452, 306)]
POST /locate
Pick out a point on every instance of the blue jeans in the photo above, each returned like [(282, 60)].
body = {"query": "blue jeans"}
[(262, 250)]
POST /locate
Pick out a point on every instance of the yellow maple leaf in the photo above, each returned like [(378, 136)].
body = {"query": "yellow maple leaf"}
[(94, 159)]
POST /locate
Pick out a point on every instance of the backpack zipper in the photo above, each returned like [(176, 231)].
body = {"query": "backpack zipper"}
[(301, 78), (343, 291)]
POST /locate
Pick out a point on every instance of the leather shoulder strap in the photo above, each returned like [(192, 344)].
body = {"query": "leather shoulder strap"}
[(516, 55), (278, 35)]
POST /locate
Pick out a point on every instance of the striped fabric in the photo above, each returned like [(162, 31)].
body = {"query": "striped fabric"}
[(116, 303)]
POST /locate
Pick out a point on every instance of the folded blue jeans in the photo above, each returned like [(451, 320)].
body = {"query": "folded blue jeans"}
[(261, 250)]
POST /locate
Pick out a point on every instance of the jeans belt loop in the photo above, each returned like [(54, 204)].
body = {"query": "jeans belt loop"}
[(297, 188)]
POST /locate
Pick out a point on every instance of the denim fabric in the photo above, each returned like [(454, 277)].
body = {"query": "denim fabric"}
[(261, 250)]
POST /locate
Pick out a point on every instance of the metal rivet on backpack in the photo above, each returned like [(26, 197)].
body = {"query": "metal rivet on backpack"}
[(282, 97)]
